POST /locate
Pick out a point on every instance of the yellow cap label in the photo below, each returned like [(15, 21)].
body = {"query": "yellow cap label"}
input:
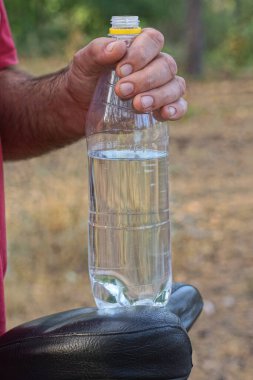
[(125, 31)]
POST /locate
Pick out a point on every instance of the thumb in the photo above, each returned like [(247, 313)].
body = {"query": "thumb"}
[(98, 54), (88, 63)]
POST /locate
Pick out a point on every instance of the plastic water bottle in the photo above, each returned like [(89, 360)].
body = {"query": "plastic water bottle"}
[(129, 223)]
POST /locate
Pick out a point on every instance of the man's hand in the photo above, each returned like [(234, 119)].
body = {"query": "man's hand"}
[(147, 75), (48, 112)]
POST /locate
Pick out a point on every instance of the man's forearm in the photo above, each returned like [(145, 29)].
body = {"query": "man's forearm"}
[(37, 114)]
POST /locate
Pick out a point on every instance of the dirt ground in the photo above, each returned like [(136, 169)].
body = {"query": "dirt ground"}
[(212, 209)]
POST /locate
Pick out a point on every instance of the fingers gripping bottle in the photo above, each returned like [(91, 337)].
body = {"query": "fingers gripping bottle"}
[(129, 223)]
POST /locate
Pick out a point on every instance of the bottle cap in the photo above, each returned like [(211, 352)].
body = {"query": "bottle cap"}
[(125, 25)]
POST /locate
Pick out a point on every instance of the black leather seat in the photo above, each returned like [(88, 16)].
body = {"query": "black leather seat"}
[(123, 343)]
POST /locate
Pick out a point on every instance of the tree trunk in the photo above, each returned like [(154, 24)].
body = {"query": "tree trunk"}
[(194, 37)]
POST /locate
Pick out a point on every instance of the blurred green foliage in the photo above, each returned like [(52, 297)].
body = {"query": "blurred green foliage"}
[(58, 27)]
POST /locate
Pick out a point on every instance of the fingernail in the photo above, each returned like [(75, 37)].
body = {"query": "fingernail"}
[(126, 70), (172, 111), (147, 101), (126, 88), (110, 46)]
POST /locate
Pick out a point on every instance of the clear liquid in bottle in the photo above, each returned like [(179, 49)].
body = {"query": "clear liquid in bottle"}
[(129, 227)]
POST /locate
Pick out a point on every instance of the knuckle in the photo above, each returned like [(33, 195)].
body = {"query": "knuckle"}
[(77, 60), (182, 84), (149, 81), (172, 93), (170, 63), (156, 36), (77, 57), (141, 52), (166, 62), (171, 97), (93, 49)]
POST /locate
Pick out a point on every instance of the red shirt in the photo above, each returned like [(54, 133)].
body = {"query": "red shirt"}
[(8, 57), (2, 249)]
